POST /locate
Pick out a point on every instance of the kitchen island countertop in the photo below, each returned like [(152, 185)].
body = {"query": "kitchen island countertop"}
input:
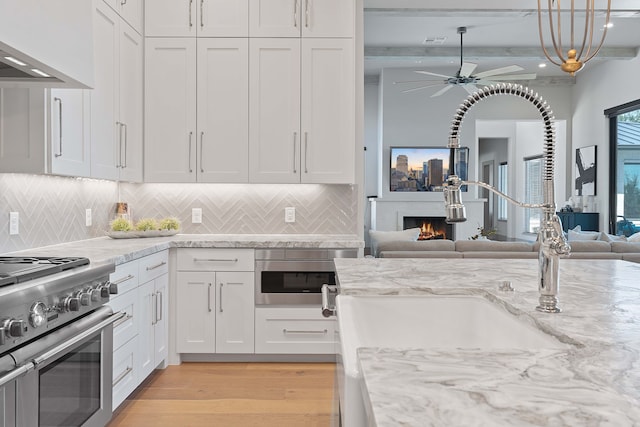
[(595, 382), (119, 251)]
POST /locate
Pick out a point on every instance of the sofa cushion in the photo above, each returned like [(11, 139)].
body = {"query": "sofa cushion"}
[(633, 257), (408, 235), (420, 254), (500, 254), (590, 246), (492, 246), (635, 237), (420, 245), (592, 255), (625, 247)]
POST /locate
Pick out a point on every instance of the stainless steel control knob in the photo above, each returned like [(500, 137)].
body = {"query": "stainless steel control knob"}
[(38, 314), (85, 298), (70, 304), (17, 328)]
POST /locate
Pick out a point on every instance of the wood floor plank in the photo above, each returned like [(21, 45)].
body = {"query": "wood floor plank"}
[(232, 394)]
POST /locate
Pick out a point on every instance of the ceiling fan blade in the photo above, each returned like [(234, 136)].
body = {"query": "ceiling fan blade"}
[(531, 76), (441, 91), (433, 74), (502, 70), (420, 88), (467, 68), (470, 88)]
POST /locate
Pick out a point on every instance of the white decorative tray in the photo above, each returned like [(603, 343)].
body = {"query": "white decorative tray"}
[(139, 234)]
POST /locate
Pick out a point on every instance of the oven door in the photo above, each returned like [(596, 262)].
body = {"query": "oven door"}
[(292, 282), (71, 382)]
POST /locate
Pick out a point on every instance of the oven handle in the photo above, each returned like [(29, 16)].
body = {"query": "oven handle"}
[(326, 310), (15, 373), (76, 339)]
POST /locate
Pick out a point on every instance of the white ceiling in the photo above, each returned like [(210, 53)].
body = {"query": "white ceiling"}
[(395, 30)]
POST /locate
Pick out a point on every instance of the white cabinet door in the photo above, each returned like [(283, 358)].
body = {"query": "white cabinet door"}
[(104, 102), (274, 110), (309, 18), (22, 135), (130, 106), (170, 18), (195, 315), (146, 335), (223, 110), (328, 18), (275, 18), (204, 18), (132, 12), (170, 110), (328, 113), (234, 312), (70, 132)]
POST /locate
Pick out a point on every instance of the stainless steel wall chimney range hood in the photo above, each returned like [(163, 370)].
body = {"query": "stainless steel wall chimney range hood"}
[(46, 43)]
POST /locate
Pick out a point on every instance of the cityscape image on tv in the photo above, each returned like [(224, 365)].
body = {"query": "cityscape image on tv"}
[(425, 168)]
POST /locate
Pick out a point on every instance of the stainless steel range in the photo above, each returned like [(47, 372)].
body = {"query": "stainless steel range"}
[(55, 342)]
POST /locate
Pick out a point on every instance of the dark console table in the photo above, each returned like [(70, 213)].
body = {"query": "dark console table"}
[(588, 221)]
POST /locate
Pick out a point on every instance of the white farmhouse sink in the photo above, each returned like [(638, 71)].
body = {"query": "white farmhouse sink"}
[(445, 322)]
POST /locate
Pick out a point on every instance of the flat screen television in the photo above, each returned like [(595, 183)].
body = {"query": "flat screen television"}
[(416, 169)]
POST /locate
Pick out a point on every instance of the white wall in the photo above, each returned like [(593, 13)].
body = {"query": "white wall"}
[(597, 89)]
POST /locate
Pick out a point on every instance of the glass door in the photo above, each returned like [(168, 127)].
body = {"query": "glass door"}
[(624, 203)]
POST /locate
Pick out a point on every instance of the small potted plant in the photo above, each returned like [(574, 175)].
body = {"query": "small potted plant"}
[(483, 234)]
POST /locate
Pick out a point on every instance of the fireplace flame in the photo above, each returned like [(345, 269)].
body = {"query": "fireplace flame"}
[(427, 232)]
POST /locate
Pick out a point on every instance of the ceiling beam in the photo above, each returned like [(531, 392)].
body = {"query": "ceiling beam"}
[(410, 53)]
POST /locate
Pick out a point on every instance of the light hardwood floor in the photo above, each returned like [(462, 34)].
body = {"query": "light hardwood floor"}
[(232, 394)]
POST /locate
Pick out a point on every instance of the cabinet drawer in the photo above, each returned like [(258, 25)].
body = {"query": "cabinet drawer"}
[(294, 331), (127, 327), (124, 371), (125, 277), (153, 266), (196, 259)]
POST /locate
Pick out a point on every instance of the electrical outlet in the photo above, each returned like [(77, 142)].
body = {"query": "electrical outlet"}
[(14, 223), (87, 217), (289, 214), (196, 216)]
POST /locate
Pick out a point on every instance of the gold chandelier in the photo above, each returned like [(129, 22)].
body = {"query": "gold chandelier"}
[(576, 55)]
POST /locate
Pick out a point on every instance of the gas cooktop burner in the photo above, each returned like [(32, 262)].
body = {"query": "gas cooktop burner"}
[(20, 269)]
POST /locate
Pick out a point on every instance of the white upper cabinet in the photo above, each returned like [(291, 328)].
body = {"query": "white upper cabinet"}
[(302, 111), (130, 11), (116, 100), (307, 18), (70, 132), (202, 18), (201, 138)]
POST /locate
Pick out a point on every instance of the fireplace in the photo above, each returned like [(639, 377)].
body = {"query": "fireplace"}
[(431, 227)]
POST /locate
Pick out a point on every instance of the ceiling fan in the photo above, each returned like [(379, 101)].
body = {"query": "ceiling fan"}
[(464, 77)]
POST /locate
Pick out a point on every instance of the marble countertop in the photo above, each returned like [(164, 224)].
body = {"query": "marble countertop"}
[(118, 251), (596, 382)]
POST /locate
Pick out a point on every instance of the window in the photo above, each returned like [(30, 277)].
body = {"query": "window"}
[(503, 171), (624, 166), (533, 192)]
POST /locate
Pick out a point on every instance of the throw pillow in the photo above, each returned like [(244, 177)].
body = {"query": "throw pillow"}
[(576, 234), (408, 235), (605, 237)]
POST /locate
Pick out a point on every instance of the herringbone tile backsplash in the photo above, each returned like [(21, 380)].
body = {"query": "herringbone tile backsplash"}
[(52, 209)]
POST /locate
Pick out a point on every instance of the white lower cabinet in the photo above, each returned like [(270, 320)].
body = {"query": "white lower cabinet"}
[(140, 338), (215, 301), (294, 330)]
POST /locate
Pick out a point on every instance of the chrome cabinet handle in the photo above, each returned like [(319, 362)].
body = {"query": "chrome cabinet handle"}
[(153, 267), (154, 308), (190, 137), (122, 376), (59, 101), (215, 260), (209, 298), (295, 13), (220, 297), (124, 164), (159, 301), (306, 150), (306, 13), (119, 161), (123, 2), (201, 14), (288, 331), (295, 138), (190, 17), (122, 279), (121, 321), (326, 310), (201, 138)]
